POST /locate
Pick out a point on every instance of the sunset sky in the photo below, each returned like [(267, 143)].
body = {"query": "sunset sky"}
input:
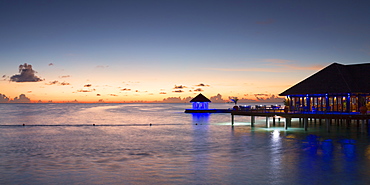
[(150, 50)]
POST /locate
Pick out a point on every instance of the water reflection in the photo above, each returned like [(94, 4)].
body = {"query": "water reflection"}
[(178, 149), (311, 144), (201, 144), (276, 156), (320, 155), (200, 118), (327, 147), (348, 147)]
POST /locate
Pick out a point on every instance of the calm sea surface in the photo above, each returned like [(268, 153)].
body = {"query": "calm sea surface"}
[(60, 145)]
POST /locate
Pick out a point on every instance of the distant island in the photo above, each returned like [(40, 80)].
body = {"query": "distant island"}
[(260, 98)]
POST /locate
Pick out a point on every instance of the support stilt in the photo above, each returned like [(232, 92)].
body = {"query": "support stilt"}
[(232, 119), (305, 123), (253, 120), (363, 125), (287, 122), (327, 121)]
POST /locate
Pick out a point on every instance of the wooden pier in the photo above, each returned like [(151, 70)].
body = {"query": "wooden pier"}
[(208, 110), (325, 117)]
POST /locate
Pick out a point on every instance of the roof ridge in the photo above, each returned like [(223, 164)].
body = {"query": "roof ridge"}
[(200, 98)]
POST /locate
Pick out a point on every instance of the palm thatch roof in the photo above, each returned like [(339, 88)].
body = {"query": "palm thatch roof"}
[(335, 79), (200, 98)]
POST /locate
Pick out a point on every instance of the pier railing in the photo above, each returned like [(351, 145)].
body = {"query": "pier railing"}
[(281, 110)]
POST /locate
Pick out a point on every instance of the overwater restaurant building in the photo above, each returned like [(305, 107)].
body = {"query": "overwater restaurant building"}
[(336, 88)]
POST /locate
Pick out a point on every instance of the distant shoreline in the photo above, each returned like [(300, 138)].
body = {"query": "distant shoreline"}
[(241, 103)]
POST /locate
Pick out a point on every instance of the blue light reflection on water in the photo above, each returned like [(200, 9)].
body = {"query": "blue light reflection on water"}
[(175, 150)]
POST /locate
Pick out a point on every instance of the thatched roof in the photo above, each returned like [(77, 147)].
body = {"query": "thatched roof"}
[(200, 98), (335, 79)]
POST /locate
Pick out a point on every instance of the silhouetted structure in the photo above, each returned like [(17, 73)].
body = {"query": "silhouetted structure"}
[(200, 102), (336, 88)]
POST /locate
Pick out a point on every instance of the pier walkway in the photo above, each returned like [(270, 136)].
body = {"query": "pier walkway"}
[(304, 116)]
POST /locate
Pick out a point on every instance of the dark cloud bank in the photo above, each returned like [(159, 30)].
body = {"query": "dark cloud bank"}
[(27, 74), (21, 99)]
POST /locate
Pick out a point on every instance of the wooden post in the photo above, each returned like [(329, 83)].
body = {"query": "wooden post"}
[(232, 119), (305, 123), (267, 122), (363, 125), (273, 121), (253, 119), (327, 125), (348, 122), (287, 121)]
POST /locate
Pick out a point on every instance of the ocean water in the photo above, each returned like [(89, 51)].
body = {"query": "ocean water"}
[(60, 145)]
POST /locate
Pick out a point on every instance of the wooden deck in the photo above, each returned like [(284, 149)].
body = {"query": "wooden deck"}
[(301, 114), (327, 117), (208, 111)]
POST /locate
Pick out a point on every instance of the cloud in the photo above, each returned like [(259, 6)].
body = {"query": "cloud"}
[(84, 90), (217, 99), (57, 83), (177, 100), (244, 69), (269, 98), (162, 93), (3, 99), (125, 89), (261, 95), (202, 85), (179, 87), (291, 65), (64, 83), (66, 76), (87, 85), (101, 67), (27, 74), (178, 91), (51, 64), (198, 90), (5, 78), (269, 21), (274, 66), (113, 95), (98, 94), (52, 83), (21, 99)]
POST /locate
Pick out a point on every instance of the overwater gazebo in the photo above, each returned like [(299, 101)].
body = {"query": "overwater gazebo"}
[(336, 88), (200, 102)]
